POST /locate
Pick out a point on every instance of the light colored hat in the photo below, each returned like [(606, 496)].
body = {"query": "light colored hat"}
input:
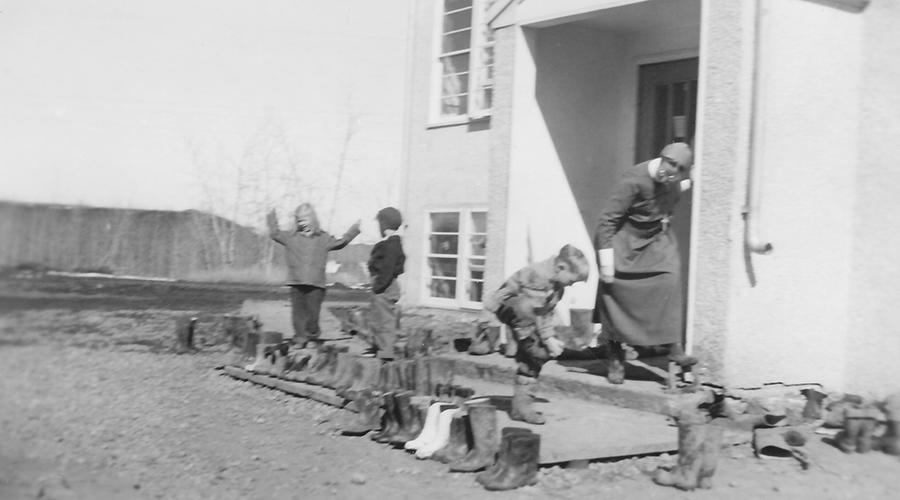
[(680, 153)]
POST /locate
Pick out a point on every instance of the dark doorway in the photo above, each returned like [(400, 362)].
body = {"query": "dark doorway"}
[(667, 112)]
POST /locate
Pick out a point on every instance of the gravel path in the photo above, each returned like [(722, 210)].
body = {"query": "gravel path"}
[(93, 406)]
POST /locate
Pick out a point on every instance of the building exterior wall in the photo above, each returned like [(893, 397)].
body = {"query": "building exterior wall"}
[(446, 166), (873, 345)]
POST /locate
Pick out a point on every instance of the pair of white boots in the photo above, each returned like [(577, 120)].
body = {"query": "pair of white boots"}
[(436, 430)]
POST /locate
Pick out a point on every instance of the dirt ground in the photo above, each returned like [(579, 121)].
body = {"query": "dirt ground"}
[(94, 405)]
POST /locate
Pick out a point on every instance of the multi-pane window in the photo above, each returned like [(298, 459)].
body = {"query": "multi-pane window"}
[(456, 255), (465, 59)]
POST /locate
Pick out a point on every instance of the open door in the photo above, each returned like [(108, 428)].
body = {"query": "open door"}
[(667, 112)]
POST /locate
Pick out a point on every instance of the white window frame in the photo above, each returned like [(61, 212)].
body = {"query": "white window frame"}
[(479, 17), (464, 249)]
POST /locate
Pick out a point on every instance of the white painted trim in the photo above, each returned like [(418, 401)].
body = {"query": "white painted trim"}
[(462, 256), (565, 15), (659, 57)]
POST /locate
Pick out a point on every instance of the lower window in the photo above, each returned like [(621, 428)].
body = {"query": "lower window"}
[(455, 257)]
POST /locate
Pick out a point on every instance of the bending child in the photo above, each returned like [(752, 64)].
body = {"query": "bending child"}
[(526, 303), (307, 247)]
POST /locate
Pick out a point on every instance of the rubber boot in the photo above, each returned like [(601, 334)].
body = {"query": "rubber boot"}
[(429, 427), (521, 464), (317, 359), (269, 342), (414, 422), (441, 372), (352, 373), (813, 408), (251, 341), (677, 356), (615, 373), (523, 401), (326, 369), (389, 423), (483, 422), (691, 436), (234, 329), (460, 441), (441, 437), (404, 414), (867, 422), (369, 377), (712, 448), (407, 374), (184, 334), (342, 363), (423, 377), (502, 458), (853, 421), (368, 418), (890, 440)]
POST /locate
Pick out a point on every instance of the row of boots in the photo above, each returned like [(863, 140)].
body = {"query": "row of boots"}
[(451, 429)]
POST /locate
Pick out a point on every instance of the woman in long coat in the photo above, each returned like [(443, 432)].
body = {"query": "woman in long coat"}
[(639, 300)]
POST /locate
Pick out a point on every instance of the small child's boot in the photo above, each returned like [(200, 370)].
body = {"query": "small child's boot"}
[(523, 401)]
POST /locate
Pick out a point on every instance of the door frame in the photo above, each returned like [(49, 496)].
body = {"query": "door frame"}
[(669, 56)]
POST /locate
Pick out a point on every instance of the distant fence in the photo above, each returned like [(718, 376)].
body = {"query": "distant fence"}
[(154, 243)]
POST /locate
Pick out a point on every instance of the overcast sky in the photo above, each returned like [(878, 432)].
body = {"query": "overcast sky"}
[(134, 103)]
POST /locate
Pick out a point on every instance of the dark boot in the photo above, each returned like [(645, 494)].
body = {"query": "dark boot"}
[(352, 373), (867, 421), (483, 421), (485, 341), (369, 377), (251, 341), (813, 408), (691, 436), (423, 377), (890, 440), (184, 334), (460, 441), (521, 464), (343, 366), (406, 418), (677, 356), (389, 423), (414, 423), (847, 439), (326, 372), (712, 448), (523, 401), (368, 418), (615, 371), (502, 460)]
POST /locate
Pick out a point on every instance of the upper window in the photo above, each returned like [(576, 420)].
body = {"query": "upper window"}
[(465, 60), (455, 257)]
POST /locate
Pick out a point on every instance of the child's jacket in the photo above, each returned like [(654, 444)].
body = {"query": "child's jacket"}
[(531, 288), (386, 263), (306, 255)]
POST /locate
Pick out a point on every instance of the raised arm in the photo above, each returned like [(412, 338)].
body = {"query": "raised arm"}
[(274, 232), (339, 243)]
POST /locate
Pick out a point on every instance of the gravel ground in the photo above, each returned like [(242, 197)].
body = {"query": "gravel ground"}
[(93, 405)]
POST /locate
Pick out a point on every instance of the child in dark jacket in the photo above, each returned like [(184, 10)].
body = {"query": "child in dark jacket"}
[(385, 265), (306, 248)]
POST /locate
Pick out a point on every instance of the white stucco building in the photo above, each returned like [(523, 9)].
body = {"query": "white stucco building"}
[(523, 113)]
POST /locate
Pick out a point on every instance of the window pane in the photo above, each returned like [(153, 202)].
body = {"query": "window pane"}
[(442, 266), (476, 268), (453, 42), (479, 222), (478, 244), (475, 291), (454, 105), (443, 288), (445, 244), (455, 85), (456, 4), (458, 20), (445, 222), (452, 65)]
